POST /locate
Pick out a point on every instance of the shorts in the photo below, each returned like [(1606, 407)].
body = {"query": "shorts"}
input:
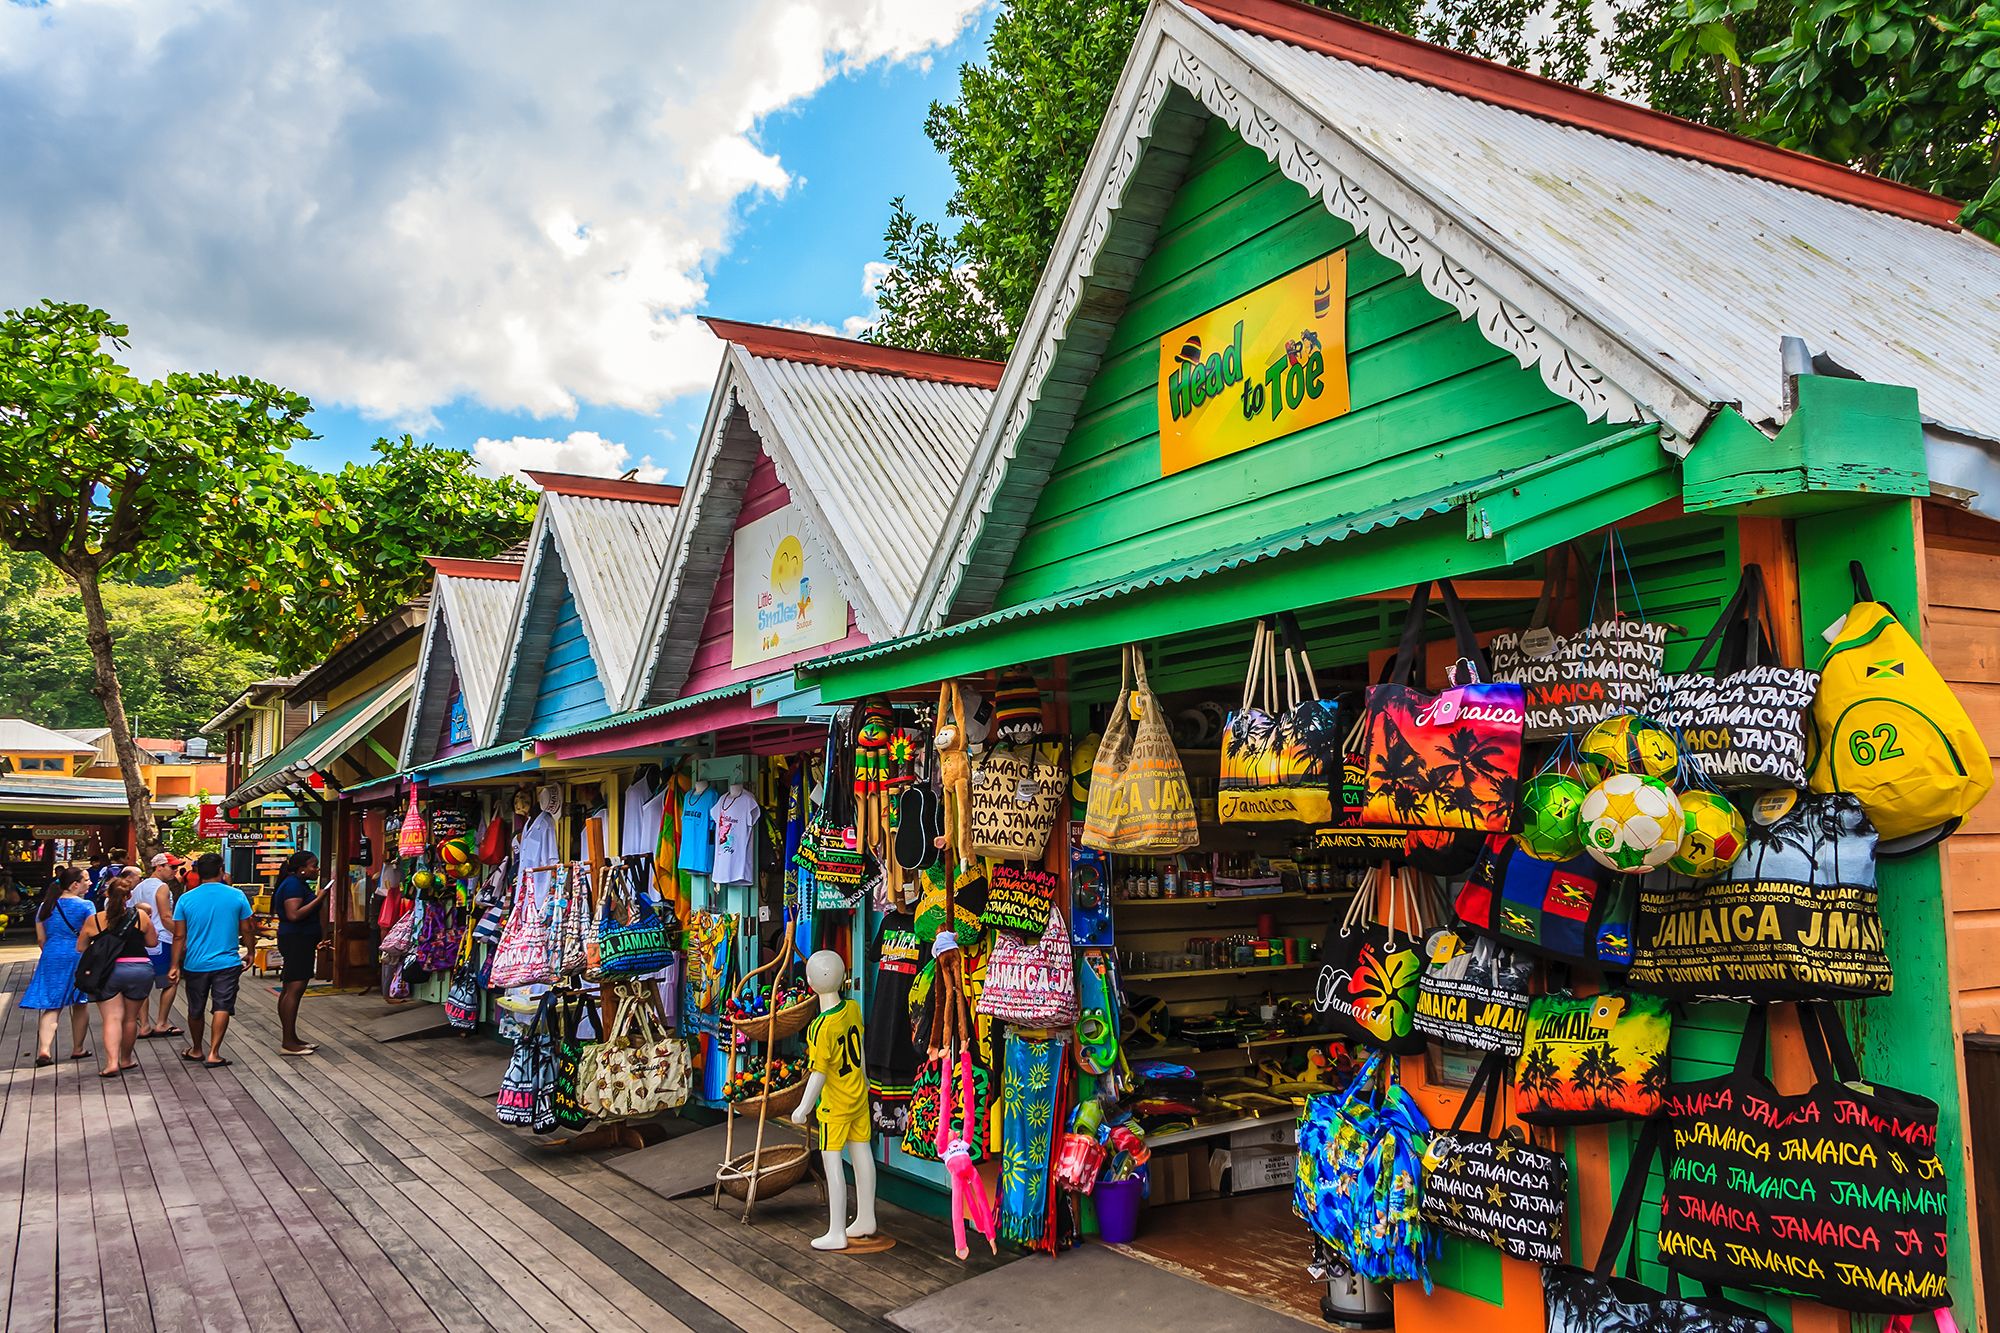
[(831, 1134), (131, 979), (300, 954), (211, 990), (162, 960)]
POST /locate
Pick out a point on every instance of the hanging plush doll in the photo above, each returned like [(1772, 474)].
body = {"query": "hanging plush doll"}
[(955, 772), (883, 765), (969, 1200)]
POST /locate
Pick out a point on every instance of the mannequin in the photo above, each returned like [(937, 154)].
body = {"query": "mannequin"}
[(833, 1052)]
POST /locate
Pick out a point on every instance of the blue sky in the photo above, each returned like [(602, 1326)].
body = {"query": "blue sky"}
[(491, 223)]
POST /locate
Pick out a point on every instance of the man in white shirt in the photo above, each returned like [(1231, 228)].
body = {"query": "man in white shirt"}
[(156, 891)]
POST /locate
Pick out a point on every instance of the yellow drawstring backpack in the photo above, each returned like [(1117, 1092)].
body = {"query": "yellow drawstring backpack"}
[(1891, 733)]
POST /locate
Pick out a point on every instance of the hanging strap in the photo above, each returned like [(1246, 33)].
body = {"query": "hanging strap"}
[(1461, 628), (1626, 1211), (1732, 613), (1555, 584), (1250, 677), (1402, 667), (1295, 646), (1487, 1081)]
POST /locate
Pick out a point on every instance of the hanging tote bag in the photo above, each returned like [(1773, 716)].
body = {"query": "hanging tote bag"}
[(1016, 797), (1139, 800), (461, 1002), (1794, 919), (1281, 756), (1591, 1059), (631, 938), (1746, 723), (569, 1112), (1593, 1300), (1369, 971), (920, 1129), (1573, 682), (1573, 911), (1360, 1176), (515, 1104), (1499, 1190), (1473, 993), (636, 1070), (522, 956), (412, 836), (1891, 733), (1450, 760), (1032, 983), (571, 917), (1836, 1193), (1433, 851)]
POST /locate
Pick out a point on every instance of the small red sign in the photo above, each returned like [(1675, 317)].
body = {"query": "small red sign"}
[(212, 824)]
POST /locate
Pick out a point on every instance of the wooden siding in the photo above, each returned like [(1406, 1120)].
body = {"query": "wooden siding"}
[(569, 691), (1432, 400), (1962, 637), (763, 494)]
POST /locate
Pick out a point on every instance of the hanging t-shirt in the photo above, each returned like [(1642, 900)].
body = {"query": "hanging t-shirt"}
[(892, 1054), (698, 830), (736, 816), (632, 839)]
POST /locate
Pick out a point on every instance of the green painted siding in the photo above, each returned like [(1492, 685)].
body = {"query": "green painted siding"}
[(1433, 400)]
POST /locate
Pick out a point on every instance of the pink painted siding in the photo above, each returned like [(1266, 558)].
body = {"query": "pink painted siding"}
[(763, 494)]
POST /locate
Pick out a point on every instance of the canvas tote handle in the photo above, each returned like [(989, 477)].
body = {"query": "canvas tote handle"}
[(1486, 1084), (1295, 647), (1555, 584), (1250, 677)]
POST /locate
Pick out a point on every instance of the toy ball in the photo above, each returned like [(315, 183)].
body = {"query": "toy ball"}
[(1627, 743), (1632, 822), (1711, 837), (1549, 806), (455, 854), (423, 879)]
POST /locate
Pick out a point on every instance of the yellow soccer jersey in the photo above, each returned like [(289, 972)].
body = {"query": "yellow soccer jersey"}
[(833, 1048)]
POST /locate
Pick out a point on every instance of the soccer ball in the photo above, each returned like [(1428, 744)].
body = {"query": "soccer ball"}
[(1712, 835), (1549, 805), (1632, 822), (1627, 743)]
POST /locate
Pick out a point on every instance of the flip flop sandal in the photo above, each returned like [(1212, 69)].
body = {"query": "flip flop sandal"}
[(217, 1064), (116, 1073), (170, 1032), (192, 1059), (83, 1055), (43, 1061), (303, 1050)]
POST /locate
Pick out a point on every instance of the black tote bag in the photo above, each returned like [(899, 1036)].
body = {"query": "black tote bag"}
[(1499, 1190)]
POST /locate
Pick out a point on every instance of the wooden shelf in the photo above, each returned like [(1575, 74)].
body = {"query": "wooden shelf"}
[(1248, 969), (1234, 901), (1219, 1127)]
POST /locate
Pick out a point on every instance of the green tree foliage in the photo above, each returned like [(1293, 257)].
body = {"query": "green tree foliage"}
[(104, 471), (183, 836), (1900, 87), (296, 579)]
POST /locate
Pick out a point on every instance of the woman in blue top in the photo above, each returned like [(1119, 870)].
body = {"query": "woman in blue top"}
[(63, 912)]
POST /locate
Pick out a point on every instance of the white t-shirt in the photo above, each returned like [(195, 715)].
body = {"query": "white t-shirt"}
[(146, 894), (632, 839), (736, 816)]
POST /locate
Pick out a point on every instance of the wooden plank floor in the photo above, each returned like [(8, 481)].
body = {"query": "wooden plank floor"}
[(363, 1188)]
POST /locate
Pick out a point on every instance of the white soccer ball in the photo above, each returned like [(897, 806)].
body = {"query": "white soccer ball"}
[(1631, 823)]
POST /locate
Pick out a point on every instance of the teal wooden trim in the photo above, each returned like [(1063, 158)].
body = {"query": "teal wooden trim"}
[(1904, 1039), (568, 691), (1850, 442)]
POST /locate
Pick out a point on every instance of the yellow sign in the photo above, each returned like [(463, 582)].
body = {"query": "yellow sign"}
[(1270, 362)]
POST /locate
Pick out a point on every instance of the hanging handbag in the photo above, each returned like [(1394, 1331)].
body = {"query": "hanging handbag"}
[(494, 842), (636, 1070), (919, 825), (1891, 733), (515, 1104), (1016, 796), (1019, 898), (1032, 983), (461, 1001), (1835, 1193), (1590, 1059), (1280, 756), (1745, 724), (631, 939), (1593, 1300), (1795, 918), (439, 942), (1473, 993), (1573, 911), (569, 1111), (1369, 970), (1360, 1176), (571, 916), (1139, 800), (1573, 682), (402, 937), (1441, 852), (1450, 760), (1497, 1189), (921, 1125), (412, 836), (522, 956)]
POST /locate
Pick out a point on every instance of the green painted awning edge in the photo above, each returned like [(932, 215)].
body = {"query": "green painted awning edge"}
[(612, 721), (308, 747)]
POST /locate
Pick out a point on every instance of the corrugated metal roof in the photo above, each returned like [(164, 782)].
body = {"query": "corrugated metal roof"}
[(470, 757), (471, 625), (1703, 267), (613, 552), (333, 734), (20, 734)]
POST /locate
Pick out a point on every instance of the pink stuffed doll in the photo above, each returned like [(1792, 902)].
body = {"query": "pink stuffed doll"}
[(968, 1191)]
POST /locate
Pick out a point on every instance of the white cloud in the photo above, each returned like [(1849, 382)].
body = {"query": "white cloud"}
[(581, 451), (392, 207)]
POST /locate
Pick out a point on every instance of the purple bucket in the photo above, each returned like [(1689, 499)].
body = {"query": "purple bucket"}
[(1118, 1204)]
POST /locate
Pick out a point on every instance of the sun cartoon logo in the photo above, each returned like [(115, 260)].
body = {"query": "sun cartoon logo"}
[(788, 565)]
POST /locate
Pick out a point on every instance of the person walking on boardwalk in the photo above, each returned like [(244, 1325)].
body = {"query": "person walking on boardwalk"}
[(52, 989), (297, 905), (121, 1001), (157, 891), (214, 927)]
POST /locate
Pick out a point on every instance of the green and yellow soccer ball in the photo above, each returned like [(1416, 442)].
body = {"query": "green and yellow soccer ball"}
[(1549, 806), (1632, 823), (1712, 835), (1627, 743)]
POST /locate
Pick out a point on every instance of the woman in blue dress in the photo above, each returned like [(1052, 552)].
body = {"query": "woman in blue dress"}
[(62, 914)]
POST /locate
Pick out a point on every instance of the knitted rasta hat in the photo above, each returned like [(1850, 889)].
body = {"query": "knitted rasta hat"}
[(1017, 709)]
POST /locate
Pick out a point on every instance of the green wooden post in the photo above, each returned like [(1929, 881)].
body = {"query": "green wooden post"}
[(1905, 1039)]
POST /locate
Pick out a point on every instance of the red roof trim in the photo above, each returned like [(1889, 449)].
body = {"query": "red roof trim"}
[(606, 488), (823, 349), (475, 569), (1470, 76)]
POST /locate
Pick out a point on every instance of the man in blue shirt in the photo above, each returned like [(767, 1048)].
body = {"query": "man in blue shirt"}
[(214, 924)]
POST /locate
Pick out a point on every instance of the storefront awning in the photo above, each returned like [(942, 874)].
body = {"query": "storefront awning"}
[(506, 759), (1509, 515), (336, 731)]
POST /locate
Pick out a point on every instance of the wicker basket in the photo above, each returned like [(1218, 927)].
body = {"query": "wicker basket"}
[(790, 1021), (777, 1169), (777, 1105)]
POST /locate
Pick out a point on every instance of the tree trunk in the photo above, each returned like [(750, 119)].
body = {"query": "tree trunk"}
[(104, 684)]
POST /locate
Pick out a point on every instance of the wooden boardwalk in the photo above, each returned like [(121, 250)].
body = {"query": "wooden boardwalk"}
[(364, 1188)]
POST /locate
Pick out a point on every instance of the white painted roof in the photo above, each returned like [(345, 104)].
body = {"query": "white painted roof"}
[(480, 620), (613, 552), (20, 734)]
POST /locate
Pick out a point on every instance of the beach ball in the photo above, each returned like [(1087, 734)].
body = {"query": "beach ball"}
[(1549, 806), (1631, 822), (1627, 743), (1711, 837)]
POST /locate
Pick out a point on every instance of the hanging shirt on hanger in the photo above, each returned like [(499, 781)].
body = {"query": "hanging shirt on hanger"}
[(537, 849), (736, 816), (632, 825), (698, 830)]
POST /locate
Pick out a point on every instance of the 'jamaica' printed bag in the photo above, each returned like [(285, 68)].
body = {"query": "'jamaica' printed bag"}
[(1369, 971), (1589, 1059)]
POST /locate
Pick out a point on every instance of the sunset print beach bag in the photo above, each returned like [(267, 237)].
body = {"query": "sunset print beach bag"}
[(1836, 1193), (1369, 970), (1450, 760), (1139, 799), (1591, 1059), (1282, 749), (1610, 666)]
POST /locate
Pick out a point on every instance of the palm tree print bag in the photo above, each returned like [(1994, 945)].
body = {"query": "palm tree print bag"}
[(1591, 1059), (1280, 759), (1450, 760)]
